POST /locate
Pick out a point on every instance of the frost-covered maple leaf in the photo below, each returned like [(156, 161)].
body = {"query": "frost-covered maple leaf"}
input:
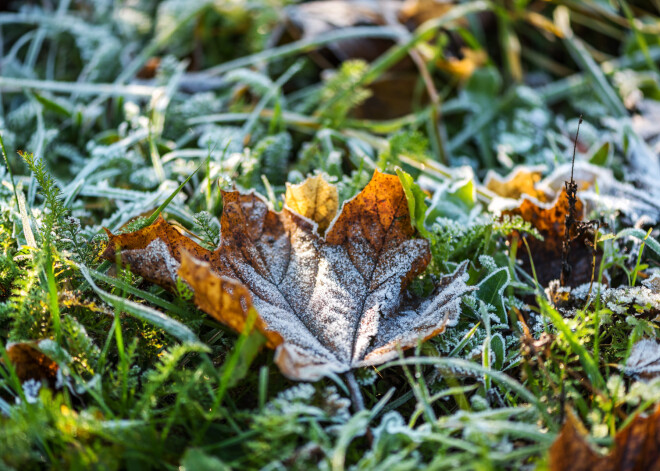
[(326, 304)]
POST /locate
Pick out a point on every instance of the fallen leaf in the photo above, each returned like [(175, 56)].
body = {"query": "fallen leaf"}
[(415, 12), (29, 363), (326, 304), (601, 191), (570, 451), (312, 19), (521, 181), (636, 448), (549, 220), (611, 195), (395, 90), (644, 360), (314, 199), (164, 241), (464, 67)]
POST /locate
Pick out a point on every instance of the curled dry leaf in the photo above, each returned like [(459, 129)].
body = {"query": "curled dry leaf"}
[(29, 363), (636, 448), (549, 219), (601, 191), (598, 189), (314, 199), (464, 67), (523, 192), (326, 304)]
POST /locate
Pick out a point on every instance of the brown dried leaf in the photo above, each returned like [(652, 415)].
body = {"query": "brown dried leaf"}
[(314, 199), (30, 363), (611, 195), (156, 238), (637, 447), (549, 219), (326, 304), (570, 451)]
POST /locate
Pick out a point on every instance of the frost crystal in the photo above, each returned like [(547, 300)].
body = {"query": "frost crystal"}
[(31, 389), (644, 360)]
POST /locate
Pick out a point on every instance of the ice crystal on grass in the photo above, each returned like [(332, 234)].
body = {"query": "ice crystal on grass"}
[(31, 390), (304, 399)]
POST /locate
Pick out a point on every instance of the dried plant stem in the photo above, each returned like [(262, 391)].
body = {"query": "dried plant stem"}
[(571, 217)]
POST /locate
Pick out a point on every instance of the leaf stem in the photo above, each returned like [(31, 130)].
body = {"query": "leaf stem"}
[(356, 394)]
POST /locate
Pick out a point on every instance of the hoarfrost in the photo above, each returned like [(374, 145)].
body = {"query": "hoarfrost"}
[(31, 389), (612, 195), (341, 305), (620, 300), (644, 360)]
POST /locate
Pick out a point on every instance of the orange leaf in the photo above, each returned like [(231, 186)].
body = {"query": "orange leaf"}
[(166, 244), (326, 304), (464, 68)]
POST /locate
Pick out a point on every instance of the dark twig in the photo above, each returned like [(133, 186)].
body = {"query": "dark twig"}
[(571, 217)]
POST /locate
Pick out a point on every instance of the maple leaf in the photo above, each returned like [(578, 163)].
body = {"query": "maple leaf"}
[(637, 447), (326, 304)]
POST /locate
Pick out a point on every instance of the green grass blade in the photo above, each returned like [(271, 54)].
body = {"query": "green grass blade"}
[(172, 327), (588, 363)]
